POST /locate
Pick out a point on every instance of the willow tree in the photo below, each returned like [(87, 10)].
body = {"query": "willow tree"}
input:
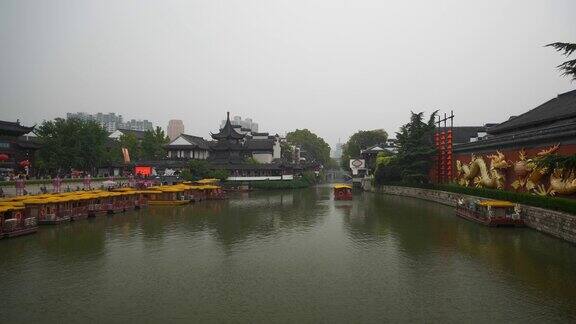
[(568, 68)]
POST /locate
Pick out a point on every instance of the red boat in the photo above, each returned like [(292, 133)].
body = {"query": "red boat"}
[(342, 192), (490, 212)]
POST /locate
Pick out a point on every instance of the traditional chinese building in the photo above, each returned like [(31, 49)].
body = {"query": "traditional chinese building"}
[(247, 155), (16, 150), (505, 157), (186, 147), (229, 146)]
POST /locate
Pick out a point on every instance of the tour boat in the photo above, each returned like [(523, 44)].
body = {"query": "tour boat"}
[(198, 193), (210, 181), (132, 200), (214, 192), (144, 197), (169, 195), (490, 212), (208, 189), (188, 191), (44, 210), (116, 202), (14, 222), (342, 192), (80, 204), (97, 203), (106, 203), (50, 210)]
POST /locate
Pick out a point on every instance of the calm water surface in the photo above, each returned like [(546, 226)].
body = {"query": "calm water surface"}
[(293, 256)]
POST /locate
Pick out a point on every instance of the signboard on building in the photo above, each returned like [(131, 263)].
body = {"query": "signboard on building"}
[(357, 164)]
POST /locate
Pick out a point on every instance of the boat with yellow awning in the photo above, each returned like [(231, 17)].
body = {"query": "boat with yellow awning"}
[(15, 222), (342, 192), (490, 212)]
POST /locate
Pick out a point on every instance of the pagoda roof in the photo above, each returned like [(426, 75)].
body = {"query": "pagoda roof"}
[(14, 128), (227, 132)]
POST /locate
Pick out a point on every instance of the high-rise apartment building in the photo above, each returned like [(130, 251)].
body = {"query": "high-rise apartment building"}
[(247, 125), (175, 128), (112, 122)]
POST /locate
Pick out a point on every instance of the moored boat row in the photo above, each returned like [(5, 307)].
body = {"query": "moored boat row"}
[(183, 193), (22, 214)]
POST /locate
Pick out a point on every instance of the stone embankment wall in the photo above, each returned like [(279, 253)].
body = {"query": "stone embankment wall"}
[(555, 223)]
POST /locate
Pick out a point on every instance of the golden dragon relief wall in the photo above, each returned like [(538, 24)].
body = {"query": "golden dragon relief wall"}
[(529, 175)]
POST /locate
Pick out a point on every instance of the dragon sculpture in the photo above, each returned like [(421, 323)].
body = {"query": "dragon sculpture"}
[(481, 175), (528, 174)]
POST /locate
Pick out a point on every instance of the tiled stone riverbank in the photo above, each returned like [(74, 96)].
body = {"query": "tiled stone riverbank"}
[(555, 223)]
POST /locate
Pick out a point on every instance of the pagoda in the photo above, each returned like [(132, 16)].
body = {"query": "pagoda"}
[(229, 147), (16, 150)]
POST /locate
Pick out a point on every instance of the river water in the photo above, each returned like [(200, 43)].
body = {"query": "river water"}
[(287, 256)]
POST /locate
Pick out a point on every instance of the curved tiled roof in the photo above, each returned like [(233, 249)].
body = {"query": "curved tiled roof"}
[(196, 140), (561, 107), (227, 132), (259, 145), (13, 128)]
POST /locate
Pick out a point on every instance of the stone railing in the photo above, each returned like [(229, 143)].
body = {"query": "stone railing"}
[(555, 223)]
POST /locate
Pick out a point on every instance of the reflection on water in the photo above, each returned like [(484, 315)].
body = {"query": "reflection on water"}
[(287, 256)]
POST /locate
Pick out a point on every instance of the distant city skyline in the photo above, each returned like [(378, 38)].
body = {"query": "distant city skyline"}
[(112, 121), (246, 123)]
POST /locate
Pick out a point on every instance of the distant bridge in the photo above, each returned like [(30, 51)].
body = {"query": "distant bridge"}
[(337, 175)]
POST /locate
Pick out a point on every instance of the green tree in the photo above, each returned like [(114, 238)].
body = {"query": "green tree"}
[(568, 68), (71, 144), (200, 169), (197, 169), (130, 142), (251, 160), (314, 145), (416, 148), (361, 140), (153, 144), (222, 175), (287, 152), (332, 164), (387, 169)]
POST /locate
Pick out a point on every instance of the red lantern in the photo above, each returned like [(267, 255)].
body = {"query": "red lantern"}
[(4, 157), (24, 163)]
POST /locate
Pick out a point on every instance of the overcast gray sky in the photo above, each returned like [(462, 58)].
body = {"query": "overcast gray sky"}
[(332, 66)]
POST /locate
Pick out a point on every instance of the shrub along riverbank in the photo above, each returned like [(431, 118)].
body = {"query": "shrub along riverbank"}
[(306, 180), (546, 202), (282, 184)]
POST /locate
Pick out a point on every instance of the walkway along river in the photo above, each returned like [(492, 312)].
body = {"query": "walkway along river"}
[(293, 256)]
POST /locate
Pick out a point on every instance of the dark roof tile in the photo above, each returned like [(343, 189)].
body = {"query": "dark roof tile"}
[(561, 107), (463, 134)]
